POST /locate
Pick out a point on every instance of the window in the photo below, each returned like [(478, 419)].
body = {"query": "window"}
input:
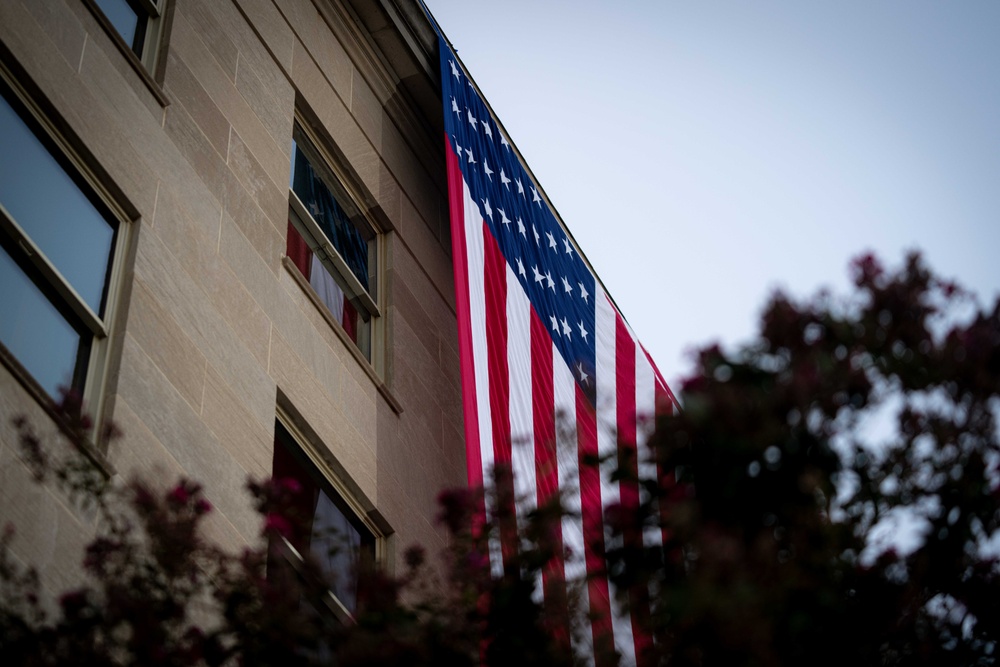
[(333, 243), (58, 238), (329, 527), (138, 22)]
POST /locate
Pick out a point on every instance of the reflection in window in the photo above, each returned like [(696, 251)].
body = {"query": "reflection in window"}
[(329, 213), (329, 529), (329, 288), (332, 243), (57, 239), (34, 330), (124, 16), (138, 23)]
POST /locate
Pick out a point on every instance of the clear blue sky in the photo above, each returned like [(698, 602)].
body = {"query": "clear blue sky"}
[(703, 154)]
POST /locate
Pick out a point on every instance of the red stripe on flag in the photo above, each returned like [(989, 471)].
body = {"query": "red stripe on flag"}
[(495, 276), (664, 406), (546, 465), (625, 362), (456, 187), (592, 515)]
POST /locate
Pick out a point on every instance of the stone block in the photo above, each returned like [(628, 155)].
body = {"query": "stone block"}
[(245, 437), (197, 16), (173, 352), (388, 195), (195, 245), (48, 534), (187, 46), (367, 109), (196, 149), (316, 42), (268, 188), (421, 239), (261, 79), (197, 315), (185, 437), (270, 27), (249, 268), (67, 32), (184, 89), (264, 229)]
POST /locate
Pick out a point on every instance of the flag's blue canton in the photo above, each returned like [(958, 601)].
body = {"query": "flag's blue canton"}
[(558, 283)]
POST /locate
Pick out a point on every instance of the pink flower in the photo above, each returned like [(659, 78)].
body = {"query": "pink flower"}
[(275, 523), (290, 484), (179, 495)]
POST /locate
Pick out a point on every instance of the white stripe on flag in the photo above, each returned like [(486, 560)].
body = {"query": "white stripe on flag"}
[(477, 305), (569, 482), (522, 432)]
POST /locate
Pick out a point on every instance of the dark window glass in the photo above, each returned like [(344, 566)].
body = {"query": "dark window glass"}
[(49, 219), (333, 212), (53, 211), (328, 529), (128, 19), (34, 331)]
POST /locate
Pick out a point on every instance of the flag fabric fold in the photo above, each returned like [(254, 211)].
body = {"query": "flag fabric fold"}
[(552, 375)]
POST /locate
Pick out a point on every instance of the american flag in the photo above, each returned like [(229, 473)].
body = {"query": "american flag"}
[(542, 348)]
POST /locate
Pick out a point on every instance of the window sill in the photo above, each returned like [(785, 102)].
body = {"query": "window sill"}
[(308, 290), (129, 55), (86, 447)]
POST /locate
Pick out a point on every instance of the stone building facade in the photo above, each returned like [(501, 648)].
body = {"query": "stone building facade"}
[(225, 220)]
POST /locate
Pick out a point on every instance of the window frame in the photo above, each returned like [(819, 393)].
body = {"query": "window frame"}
[(338, 182), (308, 446), (152, 26), (47, 277)]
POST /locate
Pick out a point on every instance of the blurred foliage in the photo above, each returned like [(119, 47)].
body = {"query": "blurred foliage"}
[(828, 494)]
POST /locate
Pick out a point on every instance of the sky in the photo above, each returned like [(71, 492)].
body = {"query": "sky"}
[(704, 154)]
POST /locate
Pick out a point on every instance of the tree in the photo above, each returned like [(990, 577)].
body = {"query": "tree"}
[(157, 593), (829, 493), (798, 465)]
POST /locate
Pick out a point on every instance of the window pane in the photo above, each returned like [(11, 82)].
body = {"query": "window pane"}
[(331, 290), (124, 18), (347, 314), (330, 214), (52, 210), (34, 331), (331, 532)]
